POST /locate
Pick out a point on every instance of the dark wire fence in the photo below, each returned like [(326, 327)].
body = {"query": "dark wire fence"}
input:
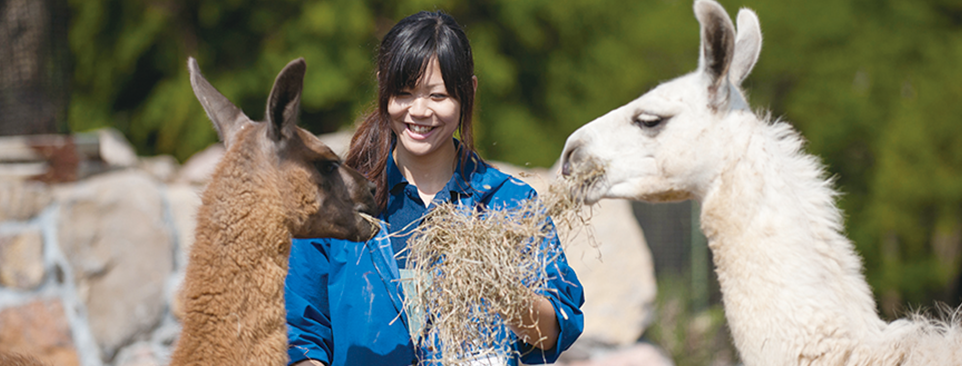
[(34, 67), (679, 250)]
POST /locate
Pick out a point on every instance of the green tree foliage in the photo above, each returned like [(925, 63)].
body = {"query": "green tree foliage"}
[(873, 85), (131, 57)]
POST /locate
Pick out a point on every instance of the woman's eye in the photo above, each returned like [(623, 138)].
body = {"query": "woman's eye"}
[(439, 96), (648, 120)]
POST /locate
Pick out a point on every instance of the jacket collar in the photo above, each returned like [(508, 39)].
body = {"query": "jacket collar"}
[(458, 186)]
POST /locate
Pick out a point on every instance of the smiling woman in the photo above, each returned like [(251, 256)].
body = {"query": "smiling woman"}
[(424, 118), (345, 300)]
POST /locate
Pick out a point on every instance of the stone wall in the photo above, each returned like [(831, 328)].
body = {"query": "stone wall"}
[(89, 269)]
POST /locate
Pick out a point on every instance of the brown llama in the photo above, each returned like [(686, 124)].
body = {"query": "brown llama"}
[(275, 182), (16, 359)]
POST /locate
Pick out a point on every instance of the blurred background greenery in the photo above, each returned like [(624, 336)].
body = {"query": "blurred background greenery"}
[(874, 85)]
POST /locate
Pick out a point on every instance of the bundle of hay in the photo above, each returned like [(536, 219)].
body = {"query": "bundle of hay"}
[(475, 271)]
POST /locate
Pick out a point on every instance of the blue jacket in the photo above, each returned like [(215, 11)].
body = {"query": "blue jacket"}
[(344, 303)]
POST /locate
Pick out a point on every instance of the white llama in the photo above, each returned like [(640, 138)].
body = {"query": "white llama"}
[(791, 282)]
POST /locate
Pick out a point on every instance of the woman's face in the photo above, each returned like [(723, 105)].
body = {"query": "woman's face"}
[(425, 117)]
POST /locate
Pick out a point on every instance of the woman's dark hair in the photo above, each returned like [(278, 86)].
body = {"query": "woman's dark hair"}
[(402, 58)]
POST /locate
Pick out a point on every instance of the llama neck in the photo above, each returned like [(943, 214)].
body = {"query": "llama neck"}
[(242, 207), (787, 274), (233, 289), (245, 217)]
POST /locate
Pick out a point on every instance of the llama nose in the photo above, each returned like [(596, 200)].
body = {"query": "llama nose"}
[(566, 161)]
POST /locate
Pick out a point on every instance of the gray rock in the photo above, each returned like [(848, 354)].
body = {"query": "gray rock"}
[(339, 141), (639, 354), (39, 329), (115, 150), (139, 354), (183, 200), (112, 231), (21, 259), (162, 167), (21, 200), (199, 167), (618, 275)]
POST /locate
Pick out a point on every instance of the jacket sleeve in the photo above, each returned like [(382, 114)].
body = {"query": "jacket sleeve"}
[(306, 301), (566, 295)]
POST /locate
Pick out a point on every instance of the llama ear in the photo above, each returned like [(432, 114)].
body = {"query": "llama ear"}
[(717, 41), (285, 100), (748, 46), (227, 118)]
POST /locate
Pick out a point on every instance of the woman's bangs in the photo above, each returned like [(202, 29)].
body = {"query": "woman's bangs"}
[(409, 66)]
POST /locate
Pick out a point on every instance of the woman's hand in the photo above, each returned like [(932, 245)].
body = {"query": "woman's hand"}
[(538, 327)]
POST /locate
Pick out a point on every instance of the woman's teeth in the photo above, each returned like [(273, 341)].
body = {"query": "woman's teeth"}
[(419, 129)]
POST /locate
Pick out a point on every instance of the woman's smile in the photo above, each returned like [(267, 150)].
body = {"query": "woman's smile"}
[(419, 130)]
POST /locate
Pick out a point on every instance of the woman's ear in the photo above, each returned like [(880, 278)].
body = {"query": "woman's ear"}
[(474, 81)]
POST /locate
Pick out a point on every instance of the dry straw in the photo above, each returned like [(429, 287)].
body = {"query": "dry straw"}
[(476, 271)]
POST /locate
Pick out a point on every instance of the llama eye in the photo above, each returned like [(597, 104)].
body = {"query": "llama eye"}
[(648, 120), (326, 166)]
